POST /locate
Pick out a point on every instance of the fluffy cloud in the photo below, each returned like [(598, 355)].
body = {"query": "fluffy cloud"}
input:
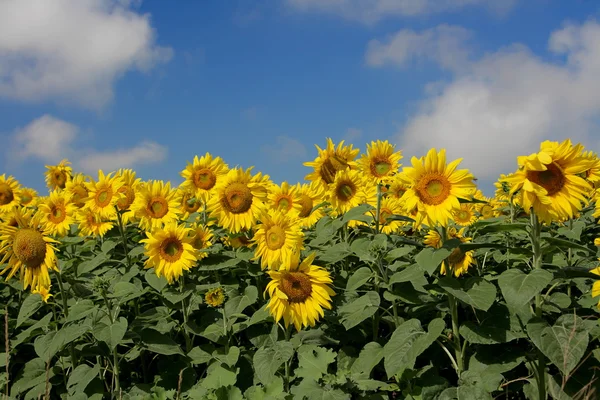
[(72, 50), (284, 150), (507, 102), (49, 139), (371, 11)]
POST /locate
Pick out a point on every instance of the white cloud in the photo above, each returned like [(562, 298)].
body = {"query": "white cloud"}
[(73, 50), (506, 103), (444, 44), (371, 11), (284, 150), (49, 139)]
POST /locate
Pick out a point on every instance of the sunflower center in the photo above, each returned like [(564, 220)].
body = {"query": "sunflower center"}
[(157, 207), (204, 179), (60, 178), (199, 243), (433, 189), (171, 249), (456, 257), (237, 198), (6, 194), (191, 206), (380, 168), (307, 206), (384, 214), (400, 192), (284, 203), (26, 199), (29, 247), (487, 211), (79, 195), (127, 198), (275, 237), (552, 179), (463, 215), (296, 285), (104, 196), (345, 191), (57, 213), (331, 166)]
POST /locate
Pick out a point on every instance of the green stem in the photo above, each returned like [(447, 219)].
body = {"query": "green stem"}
[(288, 334), (378, 209), (184, 311), (225, 330), (456, 334), (535, 235), (123, 238), (63, 297), (115, 361)]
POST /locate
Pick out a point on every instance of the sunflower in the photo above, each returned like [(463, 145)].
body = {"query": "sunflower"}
[(189, 203), (29, 197), (596, 286), (156, 204), (285, 198), (278, 238), (201, 239), (57, 212), (43, 291), (104, 195), (91, 224), (10, 193), (128, 191), (311, 195), (203, 175), (215, 297), (350, 189), (593, 173), (238, 200), (27, 249), (299, 293), (548, 181), (330, 161), (381, 162), (465, 214), (57, 176), (390, 206), (458, 261), (398, 186), (436, 187), (169, 250), (17, 214), (237, 240), (78, 190)]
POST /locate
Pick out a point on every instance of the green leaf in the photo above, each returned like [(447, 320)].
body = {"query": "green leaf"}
[(519, 288), (218, 377), (502, 227), (272, 391), (90, 265), (361, 247), (108, 245), (313, 361), (359, 278), (222, 263), (566, 244), (32, 374), (358, 310), (198, 355), (476, 292), (48, 345), (408, 274), (429, 259), (231, 358), (358, 214), (157, 342), (398, 252), (407, 342), (125, 291), (312, 390), (465, 393), (81, 309), (157, 283), (268, 360), (335, 253), (575, 233), (81, 377), (27, 333), (30, 305), (497, 326), (237, 304), (111, 334), (369, 357)]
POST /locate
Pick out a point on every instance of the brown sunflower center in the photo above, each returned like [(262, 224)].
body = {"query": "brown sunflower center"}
[(237, 198), (60, 178), (380, 167), (275, 236), (552, 179), (26, 199), (433, 188), (331, 166), (104, 196), (399, 193), (296, 285), (456, 257), (283, 203), (127, 199), (384, 214), (463, 215), (57, 213), (199, 242), (171, 249), (307, 206), (345, 191), (157, 207), (29, 247), (215, 297), (204, 179), (80, 193), (6, 194)]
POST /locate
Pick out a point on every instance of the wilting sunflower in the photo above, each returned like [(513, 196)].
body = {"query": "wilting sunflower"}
[(238, 200), (381, 162), (43, 291), (330, 161), (299, 293), (189, 203), (285, 198), (156, 204), (29, 250), (91, 224), (548, 181), (128, 192), (170, 251), (458, 261), (465, 214), (58, 175), (104, 195), (311, 195), (215, 297), (78, 190), (57, 212), (436, 187), (278, 239), (10, 193), (350, 189), (28, 197), (201, 239), (203, 175)]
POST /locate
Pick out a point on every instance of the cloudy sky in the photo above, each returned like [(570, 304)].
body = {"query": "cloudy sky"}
[(149, 84)]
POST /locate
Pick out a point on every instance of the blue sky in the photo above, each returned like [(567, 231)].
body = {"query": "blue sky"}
[(149, 84)]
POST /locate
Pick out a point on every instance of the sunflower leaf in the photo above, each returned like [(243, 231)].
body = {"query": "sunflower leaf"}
[(519, 288), (358, 310), (313, 361)]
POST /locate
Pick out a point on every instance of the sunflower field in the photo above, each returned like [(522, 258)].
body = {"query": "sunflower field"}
[(372, 280)]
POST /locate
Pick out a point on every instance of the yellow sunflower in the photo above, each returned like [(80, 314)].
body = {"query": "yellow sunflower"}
[(57, 176), (311, 195), (285, 198), (381, 162), (170, 251), (215, 297), (10, 193), (78, 190), (28, 197), (189, 203), (27, 249), (238, 200), (278, 238), (43, 291), (465, 214), (398, 186), (596, 286), (593, 173), (203, 175), (436, 187), (201, 239), (156, 204), (237, 240), (458, 261), (299, 294), (104, 195), (91, 224), (128, 191), (350, 189), (57, 212), (390, 206), (17, 214), (548, 181), (330, 161)]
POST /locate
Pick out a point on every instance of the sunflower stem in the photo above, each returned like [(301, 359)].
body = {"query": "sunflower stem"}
[(456, 334), (123, 238), (184, 311), (115, 354), (225, 330), (535, 235), (63, 297), (378, 209), (288, 334)]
